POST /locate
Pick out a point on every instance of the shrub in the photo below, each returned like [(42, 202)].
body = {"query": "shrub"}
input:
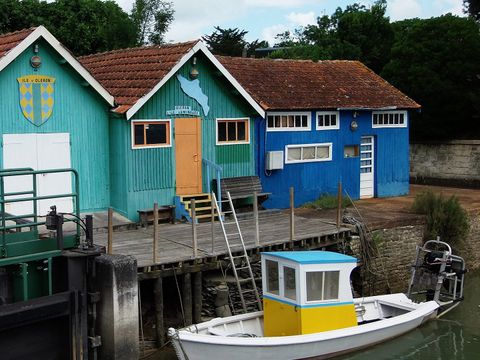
[(445, 217), (327, 201)]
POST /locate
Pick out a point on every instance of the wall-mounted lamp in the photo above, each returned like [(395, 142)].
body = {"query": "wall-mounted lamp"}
[(353, 125), (355, 114), (193, 71), (35, 60)]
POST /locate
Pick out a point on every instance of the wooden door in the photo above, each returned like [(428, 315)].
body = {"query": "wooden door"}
[(188, 158), (367, 167)]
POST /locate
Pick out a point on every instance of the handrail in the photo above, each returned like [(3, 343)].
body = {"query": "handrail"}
[(218, 172), (4, 173)]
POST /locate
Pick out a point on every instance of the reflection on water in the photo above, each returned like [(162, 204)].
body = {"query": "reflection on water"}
[(456, 336)]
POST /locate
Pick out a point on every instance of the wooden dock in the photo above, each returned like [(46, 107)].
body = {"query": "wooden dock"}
[(176, 246)]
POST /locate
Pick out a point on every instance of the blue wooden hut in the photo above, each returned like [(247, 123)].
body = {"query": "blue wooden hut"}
[(326, 122)]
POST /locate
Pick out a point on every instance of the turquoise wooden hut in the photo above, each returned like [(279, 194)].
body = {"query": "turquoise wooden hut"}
[(53, 114), (179, 119)]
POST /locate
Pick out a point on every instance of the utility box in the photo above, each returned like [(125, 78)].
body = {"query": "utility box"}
[(274, 160)]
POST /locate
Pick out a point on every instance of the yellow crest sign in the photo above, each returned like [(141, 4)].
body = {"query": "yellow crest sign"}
[(36, 97)]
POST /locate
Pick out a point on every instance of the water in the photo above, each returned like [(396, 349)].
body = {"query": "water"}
[(455, 336)]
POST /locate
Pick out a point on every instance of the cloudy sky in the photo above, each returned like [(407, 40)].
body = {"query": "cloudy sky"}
[(263, 19)]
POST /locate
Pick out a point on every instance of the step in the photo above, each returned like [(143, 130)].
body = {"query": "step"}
[(205, 216), (201, 208), (201, 196), (204, 201)]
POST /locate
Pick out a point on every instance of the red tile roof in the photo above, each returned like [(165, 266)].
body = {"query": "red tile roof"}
[(130, 74), (11, 40), (300, 84)]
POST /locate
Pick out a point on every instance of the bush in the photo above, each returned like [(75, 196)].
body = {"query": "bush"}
[(445, 217), (327, 201)]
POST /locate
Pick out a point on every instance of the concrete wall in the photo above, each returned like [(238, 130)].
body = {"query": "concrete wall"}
[(396, 247), (451, 163), (118, 307)]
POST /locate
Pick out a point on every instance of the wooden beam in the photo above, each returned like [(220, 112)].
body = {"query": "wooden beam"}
[(197, 297), (187, 299), (159, 321)]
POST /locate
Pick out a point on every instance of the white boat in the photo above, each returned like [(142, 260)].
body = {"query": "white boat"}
[(309, 313)]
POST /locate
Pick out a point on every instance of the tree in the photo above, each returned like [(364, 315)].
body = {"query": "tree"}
[(356, 33), (472, 8), (83, 26), (152, 19), (435, 61), (229, 42)]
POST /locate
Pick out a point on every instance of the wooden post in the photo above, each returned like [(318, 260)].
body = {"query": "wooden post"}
[(159, 321), (155, 232), (292, 214), (197, 297), (212, 205), (187, 298), (255, 217), (110, 231), (194, 227), (339, 201)]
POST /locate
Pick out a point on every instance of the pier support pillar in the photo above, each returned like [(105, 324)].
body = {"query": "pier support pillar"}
[(197, 297), (187, 299), (159, 321), (117, 317)]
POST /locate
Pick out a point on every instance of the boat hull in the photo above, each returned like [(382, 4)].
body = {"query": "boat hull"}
[(202, 346)]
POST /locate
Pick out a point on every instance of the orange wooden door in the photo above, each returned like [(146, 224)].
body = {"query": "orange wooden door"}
[(188, 150)]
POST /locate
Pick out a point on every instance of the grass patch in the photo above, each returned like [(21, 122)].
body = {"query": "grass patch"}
[(445, 217), (327, 201)]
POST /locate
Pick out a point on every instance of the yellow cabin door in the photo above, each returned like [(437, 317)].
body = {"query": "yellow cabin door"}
[(188, 150)]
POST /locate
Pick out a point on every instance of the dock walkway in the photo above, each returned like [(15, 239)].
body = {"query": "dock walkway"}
[(176, 240)]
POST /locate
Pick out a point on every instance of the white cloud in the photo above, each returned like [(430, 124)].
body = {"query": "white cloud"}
[(403, 9), (279, 3), (302, 19), (270, 32), (448, 6)]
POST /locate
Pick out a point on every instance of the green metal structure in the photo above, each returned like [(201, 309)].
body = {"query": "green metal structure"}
[(26, 253)]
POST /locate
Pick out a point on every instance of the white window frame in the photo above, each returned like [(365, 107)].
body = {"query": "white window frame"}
[(322, 301), (281, 113), (390, 112), (292, 146), (247, 132), (335, 127), (142, 147)]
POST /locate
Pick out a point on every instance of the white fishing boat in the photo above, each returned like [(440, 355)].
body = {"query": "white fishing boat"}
[(309, 313)]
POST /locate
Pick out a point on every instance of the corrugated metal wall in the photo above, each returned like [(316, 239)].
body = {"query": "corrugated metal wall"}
[(142, 176), (311, 179), (78, 110)]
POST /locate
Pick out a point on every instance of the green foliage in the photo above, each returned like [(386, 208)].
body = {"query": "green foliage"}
[(231, 42), (356, 33), (152, 19), (472, 8), (327, 201), (435, 61), (445, 217), (83, 26)]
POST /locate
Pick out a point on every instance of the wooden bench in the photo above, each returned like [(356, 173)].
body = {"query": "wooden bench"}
[(166, 212), (242, 187)]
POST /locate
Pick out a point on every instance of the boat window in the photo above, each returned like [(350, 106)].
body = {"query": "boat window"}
[(272, 276), (289, 285), (322, 285)]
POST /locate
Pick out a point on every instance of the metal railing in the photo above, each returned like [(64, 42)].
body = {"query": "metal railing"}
[(7, 198), (211, 166)]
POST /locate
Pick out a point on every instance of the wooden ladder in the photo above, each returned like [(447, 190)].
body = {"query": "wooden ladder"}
[(240, 261)]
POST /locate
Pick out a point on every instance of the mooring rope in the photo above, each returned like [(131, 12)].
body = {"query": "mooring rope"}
[(179, 297)]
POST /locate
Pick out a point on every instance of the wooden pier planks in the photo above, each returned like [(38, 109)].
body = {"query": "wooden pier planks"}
[(176, 244)]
